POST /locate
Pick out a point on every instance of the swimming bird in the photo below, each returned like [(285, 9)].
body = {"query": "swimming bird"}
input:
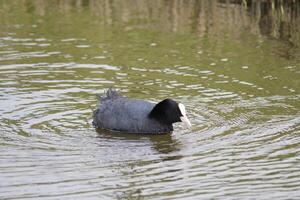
[(117, 113)]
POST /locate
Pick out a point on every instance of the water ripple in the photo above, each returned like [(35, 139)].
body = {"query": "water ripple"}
[(244, 142)]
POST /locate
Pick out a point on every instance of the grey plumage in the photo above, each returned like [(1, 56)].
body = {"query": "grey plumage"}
[(118, 113)]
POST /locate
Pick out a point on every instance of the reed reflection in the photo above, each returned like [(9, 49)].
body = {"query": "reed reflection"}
[(277, 19)]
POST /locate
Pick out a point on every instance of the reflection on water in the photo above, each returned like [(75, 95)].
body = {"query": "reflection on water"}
[(278, 19), (164, 144), (234, 64)]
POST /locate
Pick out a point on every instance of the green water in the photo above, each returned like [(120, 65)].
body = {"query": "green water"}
[(235, 66)]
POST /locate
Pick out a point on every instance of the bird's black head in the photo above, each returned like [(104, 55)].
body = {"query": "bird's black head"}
[(169, 111)]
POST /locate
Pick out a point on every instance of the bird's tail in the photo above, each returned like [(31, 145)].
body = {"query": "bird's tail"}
[(109, 94)]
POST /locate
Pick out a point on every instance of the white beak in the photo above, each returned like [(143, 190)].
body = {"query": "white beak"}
[(186, 121), (184, 118)]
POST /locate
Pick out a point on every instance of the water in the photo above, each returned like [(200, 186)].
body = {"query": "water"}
[(234, 66)]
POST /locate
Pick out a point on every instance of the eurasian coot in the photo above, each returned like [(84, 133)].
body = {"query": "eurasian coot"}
[(118, 113)]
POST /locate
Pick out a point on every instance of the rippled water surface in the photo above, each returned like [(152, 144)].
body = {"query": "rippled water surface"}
[(234, 66)]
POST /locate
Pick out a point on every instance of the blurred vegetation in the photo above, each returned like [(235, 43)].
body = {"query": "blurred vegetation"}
[(275, 18)]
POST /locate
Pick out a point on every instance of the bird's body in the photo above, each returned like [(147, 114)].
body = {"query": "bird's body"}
[(119, 113)]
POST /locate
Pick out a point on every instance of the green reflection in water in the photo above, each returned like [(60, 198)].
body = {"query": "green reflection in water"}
[(234, 65)]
